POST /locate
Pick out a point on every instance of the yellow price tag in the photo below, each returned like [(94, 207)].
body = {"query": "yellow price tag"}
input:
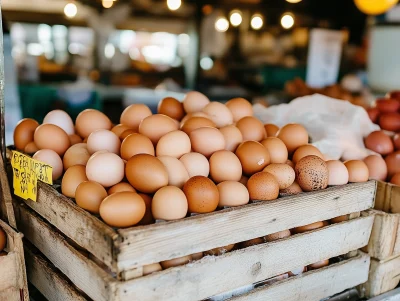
[(27, 172)]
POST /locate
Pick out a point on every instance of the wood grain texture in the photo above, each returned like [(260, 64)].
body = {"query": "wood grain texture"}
[(387, 197), (393, 295), (6, 207), (314, 285), (9, 270)]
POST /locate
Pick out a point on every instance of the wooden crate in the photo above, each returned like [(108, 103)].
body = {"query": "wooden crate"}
[(387, 197), (393, 295)]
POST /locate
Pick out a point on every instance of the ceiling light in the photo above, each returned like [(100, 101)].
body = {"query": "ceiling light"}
[(236, 18), (174, 4), (70, 10), (293, 1), (222, 24), (256, 22), (287, 21), (107, 3)]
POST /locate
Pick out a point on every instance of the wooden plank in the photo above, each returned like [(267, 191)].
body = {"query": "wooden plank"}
[(387, 197), (9, 271), (393, 295), (215, 275), (314, 285), (191, 235), (6, 207), (11, 294)]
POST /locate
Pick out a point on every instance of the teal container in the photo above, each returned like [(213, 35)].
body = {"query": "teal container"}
[(275, 77)]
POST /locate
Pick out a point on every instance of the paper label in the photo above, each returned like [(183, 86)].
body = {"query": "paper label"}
[(27, 172)]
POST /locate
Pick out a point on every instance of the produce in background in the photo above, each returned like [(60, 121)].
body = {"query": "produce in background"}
[(386, 112)]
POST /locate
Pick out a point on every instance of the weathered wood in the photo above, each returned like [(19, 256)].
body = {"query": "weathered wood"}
[(393, 295), (314, 285), (6, 207), (9, 271), (387, 197)]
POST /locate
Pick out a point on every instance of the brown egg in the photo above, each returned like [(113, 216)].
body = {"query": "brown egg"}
[(219, 114), (340, 219), (263, 186), (291, 190), (232, 194), (72, 178), (358, 171), (119, 129), (171, 107), (89, 196), (50, 136), (283, 173), (195, 102), (252, 242), (233, 137), (338, 174), (151, 268), (197, 256), (91, 120), (312, 173), (24, 132), (177, 173), (77, 154), (169, 203), (309, 227), (126, 133), (253, 156), (156, 126), (133, 115), (376, 167), (202, 195), (271, 129), (148, 216), (194, 123), (75, 139), (146, 173), (393, 163), (174, 144), (122, 209), (395, 179), (390, 122), (225, 166), (318, 265), (240, 108), (196, 164), (175, 262), (207, 141), (105, 168), (120, 187), (51, 158), (379, 142), (31, 148), (293, 135), (251, 128), (135, 144), (396, 141), (306, 150), (278, 235), (197, 114), (3, 239), (276, 148), (219, 251)]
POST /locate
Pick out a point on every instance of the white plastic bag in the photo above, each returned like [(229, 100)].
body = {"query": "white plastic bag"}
[(337, 128)]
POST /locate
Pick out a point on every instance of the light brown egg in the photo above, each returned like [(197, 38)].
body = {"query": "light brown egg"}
[(120, 187), (61, 119), (24, 132), (156, 126), (219, 114), (358, 171), (251, 128), (122, 209), (318, 265), (148, 216), (177, 173), (119, 129), (293, 135), (75, 139), (50, 136), (340, 219), (202, 195), (195, 102), (232, 194), (169, 203), (338, 174), (91, 120), (379, 142), (126, 133), (190, 115), (171, 107), (252, 242), (395, 179), (291, 190), (133, 115), (306, 150), (393, 163), (240, 108), (31, 148), (219, 251), (233, 137), (77, 154), (309, 227), (166, 264), (253, 156), (283, 173), (207, 141), (276, 148), (263, 186), (312, 173), (103, 140), (197, 256), (3, 239), (174, 144), (194, 123), (151, 268), (72, 178), (278, 235), (225, 166), (135, 144), (271, 129), (146, 173), (51, 158), (89, 196), (106, 169), (377, 167), (196, 164)]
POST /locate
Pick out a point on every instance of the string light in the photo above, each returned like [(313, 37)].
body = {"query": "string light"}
[(70, 10), (287, 21), (222, 24), (236, 18), (174, 4), (256, 22)]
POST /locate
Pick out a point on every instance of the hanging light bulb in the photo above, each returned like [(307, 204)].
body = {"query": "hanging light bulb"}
[(222, 24), (70, 10), (287, 20), (174, 4), (256, 22), (107, 3), (236, 18), (375, 7)]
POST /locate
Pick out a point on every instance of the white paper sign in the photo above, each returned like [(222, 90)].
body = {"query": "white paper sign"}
[(324, 55)]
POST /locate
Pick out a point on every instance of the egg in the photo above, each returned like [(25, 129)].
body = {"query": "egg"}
[(387, 105), (278, 235), (207, 141), (119, 129), (312, 173), (135, 144), (283, 173), (72, 178), (89, 196), (151, 268), (174, 144), (171, 107), (219, 251), (126, 133), (177, 173), (291, 190), (239, 108), (77, 154), (306, 150), (146, 173), (103, 140), (3, 239), (271, 129), (276, 148), (166, 264), (31, 148), (197, 256), (358, 171), (290, 163), (393, 163), (50, 136), (252, 242), (379, 142), (233, 137), (225, 166), (196, 164), (338, 174), (395, 179), (309, 227), (195, 102), (156, 126), (253, 156), (202, 195), (194, 123), (51, 158), (377, 168), (61, 119), (91, 120), (169, 203), (251, 128), (122, 209), (120, 187), (263, 186), (74, 139), (24, 132), (390, 122), (396, 141), (219, 114), (133, 115), (339, 219), (319, 264), (293, 135), (148, 218), (197, 114), (232, 194), (106, 169)]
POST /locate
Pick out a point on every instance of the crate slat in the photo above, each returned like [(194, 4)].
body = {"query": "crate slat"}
[(9, 271)]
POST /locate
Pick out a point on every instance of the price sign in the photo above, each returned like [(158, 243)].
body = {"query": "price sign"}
[(27, 172)]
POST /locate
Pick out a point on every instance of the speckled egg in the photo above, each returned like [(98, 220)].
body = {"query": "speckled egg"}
[(202, 195), (312, 173), (263, 186)]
